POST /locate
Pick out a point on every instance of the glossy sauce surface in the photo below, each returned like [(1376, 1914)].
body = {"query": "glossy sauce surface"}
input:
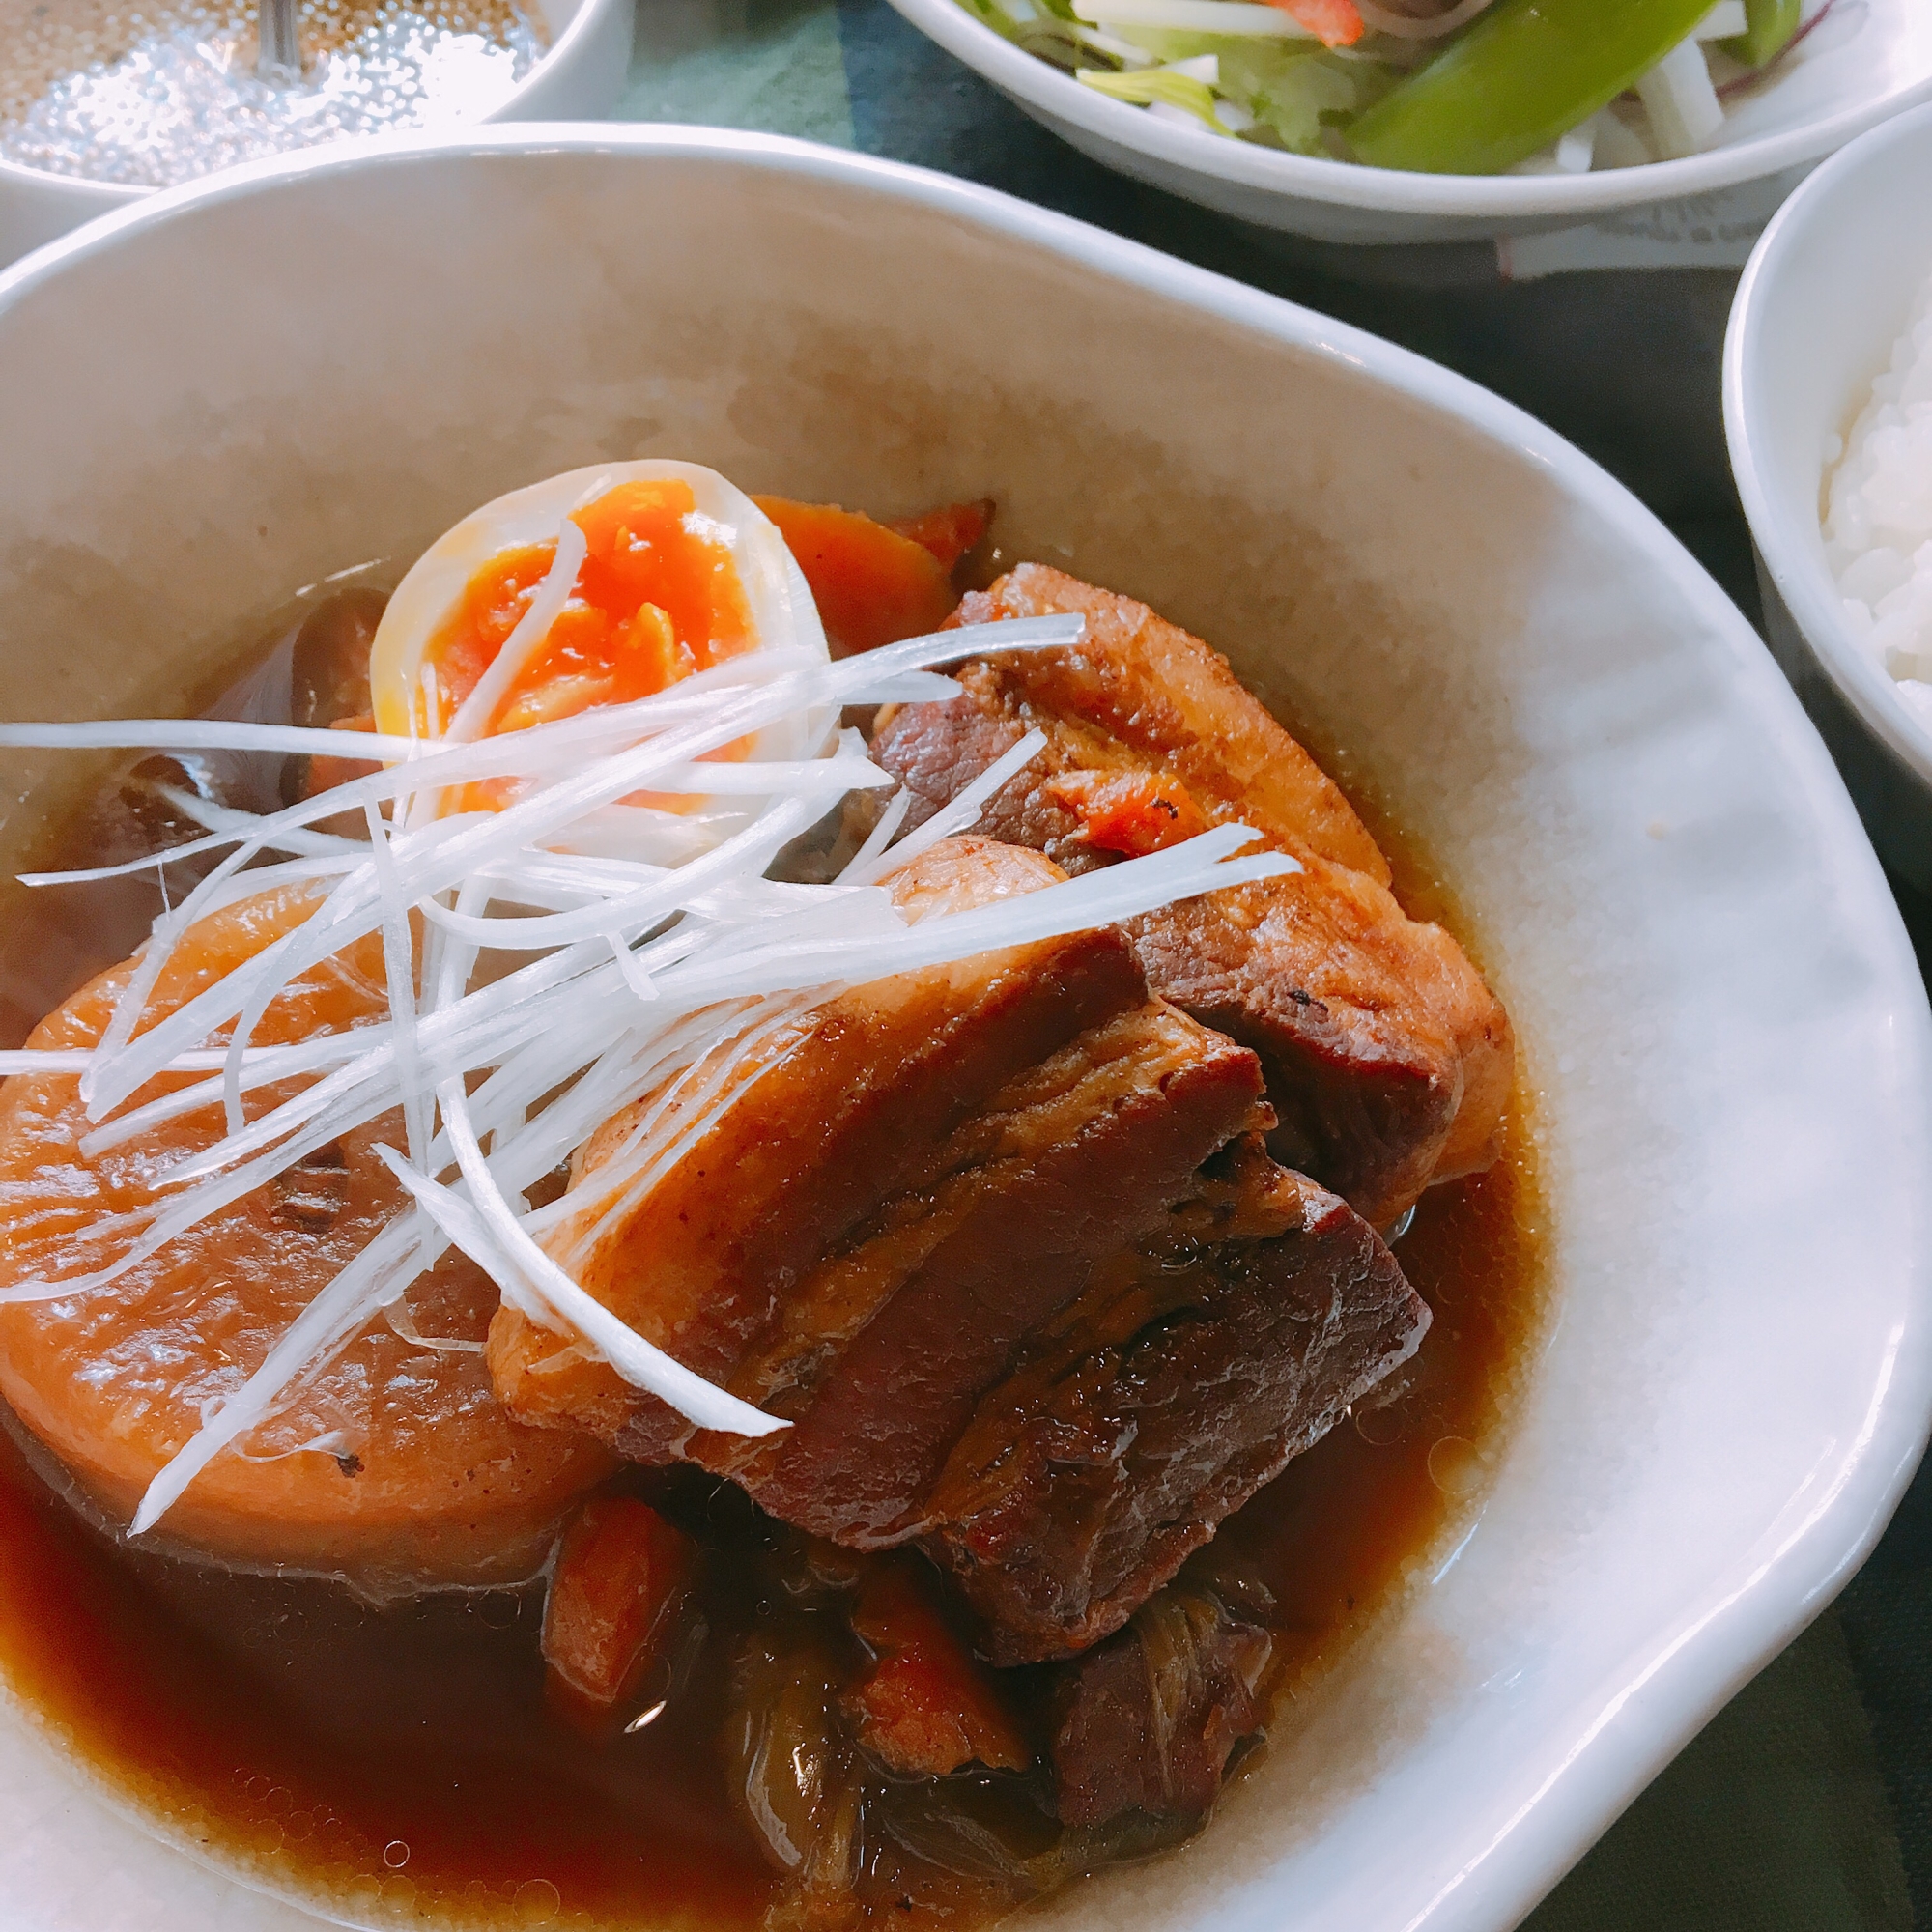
[(404, 1762)]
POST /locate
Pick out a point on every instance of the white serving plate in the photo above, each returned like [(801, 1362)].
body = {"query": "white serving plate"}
[(1872, 58), (1823, 300), (1661, 869), (581, 78)]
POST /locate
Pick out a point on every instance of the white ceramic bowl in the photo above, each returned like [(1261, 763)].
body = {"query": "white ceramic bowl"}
[(1821, 301), (581, 78), (238, 387), (1841, 83)]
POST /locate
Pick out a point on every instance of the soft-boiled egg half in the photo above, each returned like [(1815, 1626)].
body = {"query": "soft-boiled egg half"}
[(676, 570)]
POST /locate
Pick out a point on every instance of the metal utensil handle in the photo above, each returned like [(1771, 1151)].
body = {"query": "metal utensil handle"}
[(280, 56)]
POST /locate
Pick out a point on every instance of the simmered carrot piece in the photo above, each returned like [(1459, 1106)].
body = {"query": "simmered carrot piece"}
[(326, 773), (1337, 23), (620, 1576), (950, 531), (1135, 812), (872, 586), (924, 1708)]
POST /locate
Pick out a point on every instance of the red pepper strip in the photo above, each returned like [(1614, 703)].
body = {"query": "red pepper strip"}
[(1135, 812), (872, 585), (326, 773), (1336, 23)]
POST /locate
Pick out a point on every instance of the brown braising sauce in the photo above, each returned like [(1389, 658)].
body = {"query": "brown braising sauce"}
[(404, 1764)]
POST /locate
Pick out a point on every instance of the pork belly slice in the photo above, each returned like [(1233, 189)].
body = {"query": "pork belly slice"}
[(1387, 1059), (1141, 691), (884, 1350), (1149, 1719), (833, 1114), (1186, 1376)]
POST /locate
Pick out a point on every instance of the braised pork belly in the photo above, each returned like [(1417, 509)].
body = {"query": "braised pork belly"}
[(1149, 1719), (1053, 1325), (1186, 1376), (1387, 1059)]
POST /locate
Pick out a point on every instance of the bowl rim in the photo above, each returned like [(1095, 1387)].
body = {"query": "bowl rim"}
[(1667, 1687), (18, 178), (1789, 551), (1577, 198)]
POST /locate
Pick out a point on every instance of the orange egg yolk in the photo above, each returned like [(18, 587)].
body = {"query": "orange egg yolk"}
[(657, 597)]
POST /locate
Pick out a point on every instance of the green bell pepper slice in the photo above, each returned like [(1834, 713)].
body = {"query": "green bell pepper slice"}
[(1769, 26), (1524, 73)]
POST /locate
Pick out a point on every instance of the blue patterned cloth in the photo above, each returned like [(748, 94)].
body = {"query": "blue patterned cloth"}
[(1806, 1805)]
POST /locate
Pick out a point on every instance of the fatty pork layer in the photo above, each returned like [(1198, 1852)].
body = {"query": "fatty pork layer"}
[(1388, 1060), (833, 1114), (1187, 1375)]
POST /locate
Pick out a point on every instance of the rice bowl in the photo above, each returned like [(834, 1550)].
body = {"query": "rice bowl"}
[(1823, 314), (1878, 518)]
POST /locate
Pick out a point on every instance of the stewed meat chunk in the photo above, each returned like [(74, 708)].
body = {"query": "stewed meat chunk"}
[(1186, 1376), (1149, 1718), (1003, 1245), (1388, 1060)]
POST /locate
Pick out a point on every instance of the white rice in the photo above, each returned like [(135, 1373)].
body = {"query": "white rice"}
[(1878, 516)]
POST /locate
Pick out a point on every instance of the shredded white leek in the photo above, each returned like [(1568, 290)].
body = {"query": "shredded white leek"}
[(668, 971)]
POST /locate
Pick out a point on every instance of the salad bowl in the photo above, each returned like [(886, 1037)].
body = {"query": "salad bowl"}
[(1530, 675), (1866, 60)]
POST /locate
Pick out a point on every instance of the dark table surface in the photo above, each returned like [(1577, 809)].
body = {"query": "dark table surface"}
[(1806, 1805)]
